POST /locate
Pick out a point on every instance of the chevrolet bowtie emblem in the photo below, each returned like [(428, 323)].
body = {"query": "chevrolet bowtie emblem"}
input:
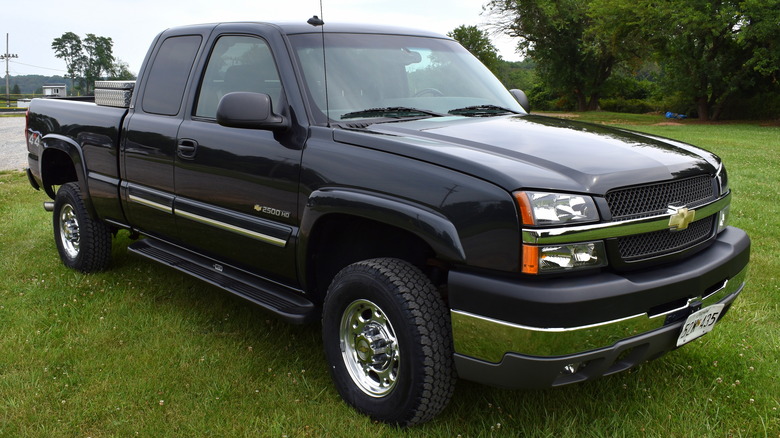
[(681, 218)]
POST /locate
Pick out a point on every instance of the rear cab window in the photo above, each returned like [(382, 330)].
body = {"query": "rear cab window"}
[(169, 74)]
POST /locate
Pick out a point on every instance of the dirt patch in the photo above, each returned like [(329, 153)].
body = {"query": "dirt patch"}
[(668, 124), (565, 115), (553, 114)]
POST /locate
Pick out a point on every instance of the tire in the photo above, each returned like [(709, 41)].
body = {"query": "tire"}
[(388, 341), (84, 244)]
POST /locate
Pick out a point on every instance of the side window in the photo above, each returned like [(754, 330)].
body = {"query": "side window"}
[(169, 73), (237, 63)]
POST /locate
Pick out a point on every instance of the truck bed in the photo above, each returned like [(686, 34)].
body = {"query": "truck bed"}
[(84, 131)]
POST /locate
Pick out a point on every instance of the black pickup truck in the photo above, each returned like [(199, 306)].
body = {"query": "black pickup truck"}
[(383, 182)]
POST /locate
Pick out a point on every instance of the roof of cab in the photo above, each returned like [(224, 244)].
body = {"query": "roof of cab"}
[(295, 28), (291, 28)]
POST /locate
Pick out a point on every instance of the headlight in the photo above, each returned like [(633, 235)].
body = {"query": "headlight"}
[(557, 258), (542, 208)]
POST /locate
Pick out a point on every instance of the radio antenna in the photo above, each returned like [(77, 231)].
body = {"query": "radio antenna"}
[(317, 22)]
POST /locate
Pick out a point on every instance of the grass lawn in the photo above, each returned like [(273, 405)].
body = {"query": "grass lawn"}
[(142, 350)]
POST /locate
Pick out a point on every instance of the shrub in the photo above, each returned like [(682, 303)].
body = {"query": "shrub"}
[(634, 106)]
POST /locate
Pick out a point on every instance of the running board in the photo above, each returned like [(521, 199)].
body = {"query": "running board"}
[(288, 304)]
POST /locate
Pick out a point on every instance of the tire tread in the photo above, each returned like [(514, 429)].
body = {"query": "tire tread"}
[(426, 312), (95, 244)]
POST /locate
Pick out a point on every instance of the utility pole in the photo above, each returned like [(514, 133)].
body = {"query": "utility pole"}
[(7, 56)]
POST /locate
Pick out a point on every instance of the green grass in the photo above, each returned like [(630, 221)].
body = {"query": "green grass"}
[(142, 350)]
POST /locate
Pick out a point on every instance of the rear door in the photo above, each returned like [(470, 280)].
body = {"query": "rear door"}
[(150, 135), (236, 189)]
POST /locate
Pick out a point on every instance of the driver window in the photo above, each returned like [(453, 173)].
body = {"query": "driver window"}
[(237, 63)]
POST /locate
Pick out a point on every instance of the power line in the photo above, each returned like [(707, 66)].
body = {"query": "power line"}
[(38, 66)]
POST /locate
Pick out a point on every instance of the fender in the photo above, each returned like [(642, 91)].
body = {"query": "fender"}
[(73, 150), (429, 225)]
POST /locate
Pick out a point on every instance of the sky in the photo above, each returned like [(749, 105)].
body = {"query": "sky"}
[(133, 24)]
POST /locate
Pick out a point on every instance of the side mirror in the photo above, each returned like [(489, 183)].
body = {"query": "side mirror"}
[(249, 110), (522, 99)]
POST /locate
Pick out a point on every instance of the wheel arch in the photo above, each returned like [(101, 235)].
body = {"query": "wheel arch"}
[(336, 223), (62, 161)]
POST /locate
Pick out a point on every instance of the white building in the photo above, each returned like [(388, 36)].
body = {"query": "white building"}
[(55, 90)]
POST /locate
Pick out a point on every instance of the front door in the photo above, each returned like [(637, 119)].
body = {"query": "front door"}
[(236, 189)]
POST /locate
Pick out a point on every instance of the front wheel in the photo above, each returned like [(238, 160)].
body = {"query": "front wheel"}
[(84, 244), (388, 341)]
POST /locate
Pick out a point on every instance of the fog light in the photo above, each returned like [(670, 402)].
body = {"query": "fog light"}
[(545, 259), (723, 219)]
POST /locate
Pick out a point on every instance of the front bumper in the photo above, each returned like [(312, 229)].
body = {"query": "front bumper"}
[(515, 334)]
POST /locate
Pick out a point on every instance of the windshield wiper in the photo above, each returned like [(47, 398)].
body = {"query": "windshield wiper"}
[(395, 112), (482, 111)]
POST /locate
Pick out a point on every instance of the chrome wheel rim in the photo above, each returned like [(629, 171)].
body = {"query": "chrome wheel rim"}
[(69, 231), (369, 348)]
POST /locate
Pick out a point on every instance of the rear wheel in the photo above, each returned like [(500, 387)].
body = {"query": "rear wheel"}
[(84, 244), (388, 341)]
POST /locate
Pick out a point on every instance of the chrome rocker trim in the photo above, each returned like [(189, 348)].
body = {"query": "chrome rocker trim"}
[(232, 228), (151, 204)]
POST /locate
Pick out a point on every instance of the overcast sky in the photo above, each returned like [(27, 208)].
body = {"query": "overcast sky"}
[(132, 24)]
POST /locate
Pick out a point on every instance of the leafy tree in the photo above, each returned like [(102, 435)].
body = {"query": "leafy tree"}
[(16, 90), (86, 60), (710, 51), (99, 57), (702, 60), (761, 35), (120, 71), (69, 48), (478, 43), (555, 34)]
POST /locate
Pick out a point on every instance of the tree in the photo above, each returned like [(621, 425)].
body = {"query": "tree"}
[(16, 90), (710, 51), (99, 57), (477, 42), (702, 60), (517, 74), (69, 48), (120, 71), (555, 34), (761, 36), (87, 60)]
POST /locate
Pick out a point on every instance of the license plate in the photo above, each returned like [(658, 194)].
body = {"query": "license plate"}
[(699, 323)]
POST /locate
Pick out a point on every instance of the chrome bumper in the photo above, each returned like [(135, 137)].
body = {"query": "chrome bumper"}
[(489, 339)]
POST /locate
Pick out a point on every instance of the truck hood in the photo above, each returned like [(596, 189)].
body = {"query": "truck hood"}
[(535, 152)]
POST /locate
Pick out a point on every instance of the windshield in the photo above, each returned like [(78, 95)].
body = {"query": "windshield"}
[(370, 76)]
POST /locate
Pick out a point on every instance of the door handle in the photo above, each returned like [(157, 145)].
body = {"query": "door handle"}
[(187, 148)]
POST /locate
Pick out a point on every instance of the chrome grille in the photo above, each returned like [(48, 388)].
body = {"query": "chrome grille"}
[(647, 245), (652, 199)]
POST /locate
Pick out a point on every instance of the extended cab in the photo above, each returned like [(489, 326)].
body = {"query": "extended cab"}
[(383, 181)]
